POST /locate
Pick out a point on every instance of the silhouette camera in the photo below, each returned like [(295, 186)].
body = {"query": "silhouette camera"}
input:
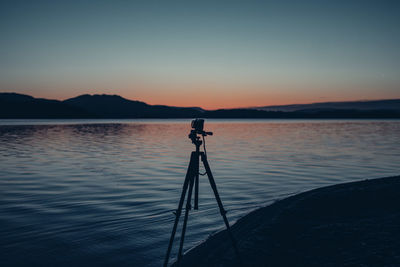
[(198, 125), (198, 128)]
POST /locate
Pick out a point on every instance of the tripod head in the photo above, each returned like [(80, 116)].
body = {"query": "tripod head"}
[(198, 129)]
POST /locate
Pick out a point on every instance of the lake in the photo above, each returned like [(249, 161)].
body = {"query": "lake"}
[(102, 192)]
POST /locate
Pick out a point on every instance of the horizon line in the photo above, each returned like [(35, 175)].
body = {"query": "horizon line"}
[(191, 106)]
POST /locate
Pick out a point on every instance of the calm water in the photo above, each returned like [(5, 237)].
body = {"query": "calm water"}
[(102, 192)]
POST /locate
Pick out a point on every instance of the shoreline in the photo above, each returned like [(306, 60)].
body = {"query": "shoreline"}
[(348, 224)]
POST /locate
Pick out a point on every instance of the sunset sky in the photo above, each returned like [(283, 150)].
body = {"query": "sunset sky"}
[(212, 54)]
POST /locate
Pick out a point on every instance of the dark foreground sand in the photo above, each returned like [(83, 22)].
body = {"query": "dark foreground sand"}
[(351, 224)]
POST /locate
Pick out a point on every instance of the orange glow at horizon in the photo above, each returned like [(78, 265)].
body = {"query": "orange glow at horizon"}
[(211, 96), (224, 96), (240, 96)]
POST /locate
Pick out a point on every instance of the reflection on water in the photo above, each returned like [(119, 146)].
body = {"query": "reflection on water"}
[(101, 192)]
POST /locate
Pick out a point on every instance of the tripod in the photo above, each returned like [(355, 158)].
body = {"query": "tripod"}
[(192, 180)]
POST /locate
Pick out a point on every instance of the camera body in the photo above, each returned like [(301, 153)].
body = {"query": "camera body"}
[(198, 125), (197, 129)]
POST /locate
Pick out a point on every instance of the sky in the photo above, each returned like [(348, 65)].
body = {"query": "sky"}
[(211, 54)]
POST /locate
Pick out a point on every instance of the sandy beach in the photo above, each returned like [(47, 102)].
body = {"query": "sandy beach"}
[(350, 224)]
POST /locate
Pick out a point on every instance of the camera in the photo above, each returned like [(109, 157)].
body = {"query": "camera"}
[(198, 125), (198, 128)]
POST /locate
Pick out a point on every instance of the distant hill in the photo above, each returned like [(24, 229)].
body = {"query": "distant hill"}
[(390, 104), (17, 106), (114, 106), (13, 106), (303, 114)]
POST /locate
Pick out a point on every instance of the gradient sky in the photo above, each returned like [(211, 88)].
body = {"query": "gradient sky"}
[(213, 54)]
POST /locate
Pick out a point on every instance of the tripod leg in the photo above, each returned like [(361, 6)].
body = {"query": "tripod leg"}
[(187, 209), (179, 210), (196, 181), (221, 207)]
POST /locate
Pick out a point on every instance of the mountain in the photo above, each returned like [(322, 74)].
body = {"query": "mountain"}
[(390, 104), (108, 106), (114, 106), (13, 106), (17, 106), (304, 114)]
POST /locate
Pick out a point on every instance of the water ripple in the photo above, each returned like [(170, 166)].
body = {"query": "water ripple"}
[(90, 192)]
